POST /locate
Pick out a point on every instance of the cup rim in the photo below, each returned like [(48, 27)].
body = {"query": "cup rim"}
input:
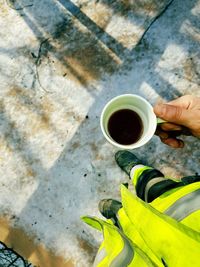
[(135, 145)]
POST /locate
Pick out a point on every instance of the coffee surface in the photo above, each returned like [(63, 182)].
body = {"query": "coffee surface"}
[(125, 126)]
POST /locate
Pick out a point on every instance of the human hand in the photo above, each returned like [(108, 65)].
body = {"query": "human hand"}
[(182, 116)]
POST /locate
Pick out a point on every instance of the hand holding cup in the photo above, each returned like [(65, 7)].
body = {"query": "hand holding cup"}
[(183, 118)]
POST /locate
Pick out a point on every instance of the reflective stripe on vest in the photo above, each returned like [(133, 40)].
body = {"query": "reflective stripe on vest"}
[(125, 257), (100, 257), (167, 199), (184, 206), (150, 184), (118, 249), (170, 240), (145, 252)]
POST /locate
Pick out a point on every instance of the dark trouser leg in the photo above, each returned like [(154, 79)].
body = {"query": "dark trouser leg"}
[(150, 183)]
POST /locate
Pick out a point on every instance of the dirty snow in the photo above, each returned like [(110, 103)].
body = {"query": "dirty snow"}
[(59, 65)]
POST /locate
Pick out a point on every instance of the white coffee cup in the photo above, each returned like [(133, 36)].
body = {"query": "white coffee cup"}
[(138, 104)]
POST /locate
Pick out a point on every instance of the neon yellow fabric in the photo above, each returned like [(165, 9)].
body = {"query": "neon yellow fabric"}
[(138, 172), (130, 231), (164, 201), (152, 235), (115, 243), (103, 261), (177, 244), (193, 221)]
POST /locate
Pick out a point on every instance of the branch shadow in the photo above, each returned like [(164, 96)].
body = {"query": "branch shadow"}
[(80, 52), (139, 8)]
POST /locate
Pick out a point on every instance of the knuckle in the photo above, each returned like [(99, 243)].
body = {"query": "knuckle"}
[(173, 113), (164, 111), (167, 126), (177, 113)]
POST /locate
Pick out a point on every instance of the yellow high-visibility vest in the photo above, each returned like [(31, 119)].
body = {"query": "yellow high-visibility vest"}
[(165, 232)]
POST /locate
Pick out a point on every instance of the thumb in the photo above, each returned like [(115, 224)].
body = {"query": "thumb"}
[(175, 114)]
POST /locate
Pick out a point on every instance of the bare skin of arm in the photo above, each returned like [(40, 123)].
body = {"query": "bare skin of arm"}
[(182, 116)]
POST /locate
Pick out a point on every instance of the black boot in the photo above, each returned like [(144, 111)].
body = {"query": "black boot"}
[(109, 209), (126, 160)]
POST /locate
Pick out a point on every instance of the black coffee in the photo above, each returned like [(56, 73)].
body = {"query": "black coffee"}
[(125, 126)]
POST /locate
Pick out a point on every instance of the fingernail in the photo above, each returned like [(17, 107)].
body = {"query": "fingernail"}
[(177, 128), (160, 110), (174, 145), (163, 135), (171, 142)]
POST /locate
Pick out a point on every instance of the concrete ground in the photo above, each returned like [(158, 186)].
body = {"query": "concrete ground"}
[(60, 62)]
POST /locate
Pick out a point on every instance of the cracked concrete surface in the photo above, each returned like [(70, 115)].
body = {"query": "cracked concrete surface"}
[(60, 62)]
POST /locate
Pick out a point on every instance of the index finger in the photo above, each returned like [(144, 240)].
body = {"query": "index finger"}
[(167, 126), (183, 101)]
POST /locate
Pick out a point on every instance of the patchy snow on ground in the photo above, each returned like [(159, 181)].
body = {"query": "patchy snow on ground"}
[(60, 62)]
